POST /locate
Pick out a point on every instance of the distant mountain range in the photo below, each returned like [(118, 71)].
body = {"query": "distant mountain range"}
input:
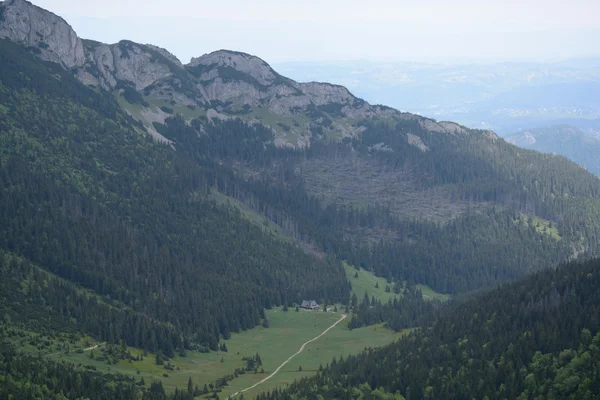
[(581, 146)]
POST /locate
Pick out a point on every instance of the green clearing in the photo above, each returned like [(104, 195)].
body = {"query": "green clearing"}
[(430, 294), (366, 282), (287, 332), (185, 112), (290, 127), (542, 226)]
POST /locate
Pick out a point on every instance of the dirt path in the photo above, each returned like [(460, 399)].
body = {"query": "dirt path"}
[(92, 348), (290, 357), (88, 349)]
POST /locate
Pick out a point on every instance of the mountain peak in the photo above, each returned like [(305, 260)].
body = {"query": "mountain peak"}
[(222, 61), (50, 35)]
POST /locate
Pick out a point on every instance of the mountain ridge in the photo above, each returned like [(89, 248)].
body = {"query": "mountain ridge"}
[(226, 81)]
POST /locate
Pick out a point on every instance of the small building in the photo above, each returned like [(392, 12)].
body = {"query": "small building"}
[(309, 305)]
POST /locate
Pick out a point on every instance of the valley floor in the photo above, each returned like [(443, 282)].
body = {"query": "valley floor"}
[(321, 335)]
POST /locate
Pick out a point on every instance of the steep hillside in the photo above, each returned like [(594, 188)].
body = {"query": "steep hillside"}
[(538, 338), (406, 197), (573, 143), (88, 198)]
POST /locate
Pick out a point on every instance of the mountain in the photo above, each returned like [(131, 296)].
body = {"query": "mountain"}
[(573, 143), (368, 184), (223, 82), (93, 202), (164, 207), (536, 338), (503, 96)]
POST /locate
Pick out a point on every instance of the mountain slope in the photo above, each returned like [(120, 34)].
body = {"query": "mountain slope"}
[(393, 183), (88, 198)]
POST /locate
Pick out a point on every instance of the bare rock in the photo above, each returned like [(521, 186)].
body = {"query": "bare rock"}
[(52, 36)]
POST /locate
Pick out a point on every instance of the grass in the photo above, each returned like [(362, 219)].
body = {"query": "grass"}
[(254, 217), (367, 282), (430, 294), (287, 332), (542, 226), (185, 112), (297, 123)]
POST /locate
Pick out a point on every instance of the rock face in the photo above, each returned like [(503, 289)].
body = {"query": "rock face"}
[(137, 65), (52, 36), (241, 79), (95, 63), (225, 83)]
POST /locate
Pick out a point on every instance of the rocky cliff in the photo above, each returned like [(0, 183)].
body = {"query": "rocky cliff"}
[(47, 34), (220, 84)]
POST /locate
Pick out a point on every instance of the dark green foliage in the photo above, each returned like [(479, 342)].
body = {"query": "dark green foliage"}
[(408, 311), (132, 247), (2, 12), (82, 312), (536, 338), (84, 196), (131, 95), (451, 258), (126, 46), (333, 109), (28, 377), (166, 109), (477, 249)]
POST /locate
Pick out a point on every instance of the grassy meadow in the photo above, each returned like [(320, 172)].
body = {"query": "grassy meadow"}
[(287, 332)]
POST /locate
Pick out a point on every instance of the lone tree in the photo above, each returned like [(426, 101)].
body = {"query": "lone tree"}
[(297, 308)]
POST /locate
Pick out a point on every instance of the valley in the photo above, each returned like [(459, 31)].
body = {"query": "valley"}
[(286, 334), (160, 221)]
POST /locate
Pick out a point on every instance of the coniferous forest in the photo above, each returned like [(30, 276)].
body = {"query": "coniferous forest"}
[(109, 233), (538, 338)]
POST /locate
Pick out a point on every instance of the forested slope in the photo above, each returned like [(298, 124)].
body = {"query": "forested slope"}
[(538, 338), (88, 198), (523, 210)]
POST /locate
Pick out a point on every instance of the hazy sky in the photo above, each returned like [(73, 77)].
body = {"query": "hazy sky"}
[(289, 30)]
